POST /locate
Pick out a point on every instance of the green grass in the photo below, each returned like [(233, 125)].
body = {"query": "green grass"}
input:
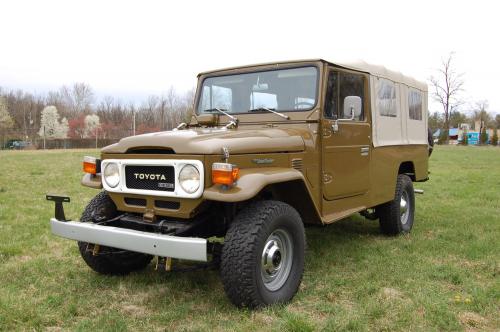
[(443, 276)]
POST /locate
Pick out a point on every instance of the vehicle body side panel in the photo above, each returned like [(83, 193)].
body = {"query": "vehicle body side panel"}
[(385, 163)]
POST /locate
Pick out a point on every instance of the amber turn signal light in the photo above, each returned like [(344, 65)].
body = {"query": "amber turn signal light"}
[(225, 174), (90, 165)]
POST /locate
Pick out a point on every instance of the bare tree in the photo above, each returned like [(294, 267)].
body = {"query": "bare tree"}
[(6, 121), (162, 108), (480, 114), (77, 98), (149, 111), (447, 85), (189, 104), (172, 101), (107, 103)]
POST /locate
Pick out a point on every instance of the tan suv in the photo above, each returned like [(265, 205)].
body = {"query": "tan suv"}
[(270, 148)]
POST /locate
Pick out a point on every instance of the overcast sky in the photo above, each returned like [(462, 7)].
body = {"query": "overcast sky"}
[(133, 49)]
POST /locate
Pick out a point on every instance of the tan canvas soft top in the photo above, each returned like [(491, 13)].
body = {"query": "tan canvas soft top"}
[(381, 71)]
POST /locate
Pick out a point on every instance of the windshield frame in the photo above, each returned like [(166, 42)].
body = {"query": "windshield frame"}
[(250, 70)]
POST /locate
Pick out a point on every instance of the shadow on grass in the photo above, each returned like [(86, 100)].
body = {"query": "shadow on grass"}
[(351, 231)]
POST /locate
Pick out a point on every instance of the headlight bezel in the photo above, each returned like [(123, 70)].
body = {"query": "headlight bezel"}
[(178, 164)]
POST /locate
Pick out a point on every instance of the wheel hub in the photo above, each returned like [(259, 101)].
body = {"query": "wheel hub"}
[(276, 262), (404, 208), (271, 258)]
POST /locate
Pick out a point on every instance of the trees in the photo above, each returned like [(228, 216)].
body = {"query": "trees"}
[(447, 86), (484, 119), (92, 124), (77, 98), (494, 139), (443, 137), (435, 121), (465, 138), (457, 118), (6, 121), (483, 136), (63, 128), (480, 113), (74, 102), (50, 127)]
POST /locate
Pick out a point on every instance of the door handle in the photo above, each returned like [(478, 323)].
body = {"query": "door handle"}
[(335, 126), (365, 151)]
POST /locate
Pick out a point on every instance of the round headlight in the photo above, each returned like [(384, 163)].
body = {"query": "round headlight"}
[(189, 179), (112, 175)]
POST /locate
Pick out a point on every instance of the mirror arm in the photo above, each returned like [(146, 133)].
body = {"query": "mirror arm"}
[(335, 124)]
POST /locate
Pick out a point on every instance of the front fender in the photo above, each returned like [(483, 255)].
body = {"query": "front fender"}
[(251, 182), (92, 181)]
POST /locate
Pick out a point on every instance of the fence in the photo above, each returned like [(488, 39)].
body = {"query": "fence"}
[(74, 143)]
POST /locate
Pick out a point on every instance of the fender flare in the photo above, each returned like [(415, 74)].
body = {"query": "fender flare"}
[(92, 181), (251, 182)]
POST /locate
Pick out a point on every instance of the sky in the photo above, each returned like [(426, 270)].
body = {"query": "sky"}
[(132, 49)]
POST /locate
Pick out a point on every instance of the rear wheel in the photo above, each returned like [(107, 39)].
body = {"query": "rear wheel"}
[(108, 260), (397, 216), (263, 255)]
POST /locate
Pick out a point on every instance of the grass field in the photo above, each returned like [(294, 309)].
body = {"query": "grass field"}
[(445, 275)]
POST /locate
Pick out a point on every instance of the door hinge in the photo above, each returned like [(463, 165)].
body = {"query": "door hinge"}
[(327, 178)]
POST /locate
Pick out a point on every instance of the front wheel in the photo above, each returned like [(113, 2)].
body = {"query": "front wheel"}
[(263, 255), (397, 216), (108, 260)]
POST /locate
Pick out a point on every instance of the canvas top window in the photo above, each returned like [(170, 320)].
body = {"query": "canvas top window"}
[(415, 104), (386, 98), (283, 90)]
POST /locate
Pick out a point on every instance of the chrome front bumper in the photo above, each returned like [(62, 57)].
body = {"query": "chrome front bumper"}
[(148, 243)]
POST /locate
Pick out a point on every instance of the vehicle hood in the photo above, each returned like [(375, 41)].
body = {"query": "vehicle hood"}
[(211, 141)]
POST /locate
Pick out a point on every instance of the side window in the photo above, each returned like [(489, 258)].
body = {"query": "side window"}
[(340, 86), (386, 98), (415, 104), (332, 96), (351, 85)]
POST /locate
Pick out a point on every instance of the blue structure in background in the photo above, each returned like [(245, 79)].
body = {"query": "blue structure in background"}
[(451, 132), (473, 137)]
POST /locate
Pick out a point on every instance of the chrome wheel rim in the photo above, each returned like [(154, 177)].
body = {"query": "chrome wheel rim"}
[(277, 258), (404, 208)]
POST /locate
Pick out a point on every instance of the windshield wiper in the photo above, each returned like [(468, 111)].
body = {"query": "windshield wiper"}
[(223, 111), (271, 110)]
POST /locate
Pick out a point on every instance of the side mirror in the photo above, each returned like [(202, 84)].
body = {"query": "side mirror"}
[(352, 107)]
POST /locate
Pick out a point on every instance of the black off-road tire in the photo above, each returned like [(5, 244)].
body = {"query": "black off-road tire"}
[(109, 260), (392, 218), (243, 250)]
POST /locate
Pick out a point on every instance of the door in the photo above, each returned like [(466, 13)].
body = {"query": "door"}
[(346, 139)]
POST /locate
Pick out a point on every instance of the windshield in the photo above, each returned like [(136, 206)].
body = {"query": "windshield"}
[(281, 90)]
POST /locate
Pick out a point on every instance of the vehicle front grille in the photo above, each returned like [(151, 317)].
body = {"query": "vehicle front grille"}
[(168, 205), (160, 178), (135, 201)]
